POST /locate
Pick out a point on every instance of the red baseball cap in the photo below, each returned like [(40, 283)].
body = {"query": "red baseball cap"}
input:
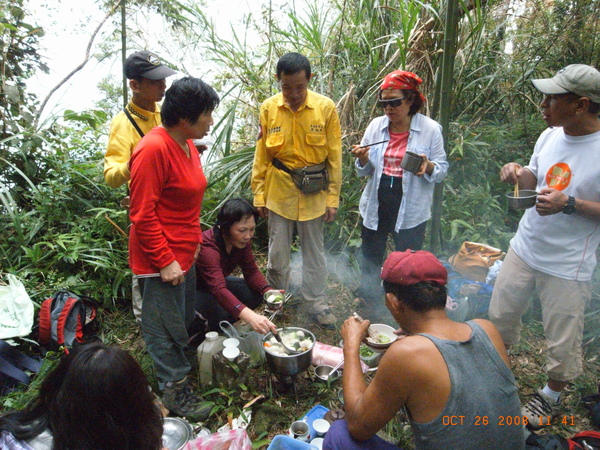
[(412, 267)]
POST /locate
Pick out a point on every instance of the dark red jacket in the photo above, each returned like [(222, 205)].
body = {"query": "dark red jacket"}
[(214, 264)]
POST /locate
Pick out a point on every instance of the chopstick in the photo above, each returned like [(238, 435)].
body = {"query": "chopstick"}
[(374, 335), (369, 145), (516, 193), (374, 143)]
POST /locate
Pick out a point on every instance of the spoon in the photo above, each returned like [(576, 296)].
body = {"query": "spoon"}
[(288, 350), (336, 367)]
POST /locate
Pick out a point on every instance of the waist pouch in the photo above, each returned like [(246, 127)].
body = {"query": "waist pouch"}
[(309, 179)]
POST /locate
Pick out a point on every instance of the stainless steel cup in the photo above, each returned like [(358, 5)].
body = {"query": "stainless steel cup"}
[(411, 162)]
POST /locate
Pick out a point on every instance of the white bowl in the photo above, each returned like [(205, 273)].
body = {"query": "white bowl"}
[(384, 329)]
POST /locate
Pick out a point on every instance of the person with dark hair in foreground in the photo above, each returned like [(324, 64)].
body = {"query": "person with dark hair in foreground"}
[(452, 378), (299, 131), (167, 187), (97, 398), (225, 247)]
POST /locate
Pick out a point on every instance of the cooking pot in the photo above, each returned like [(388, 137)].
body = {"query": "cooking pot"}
[(526, 198), (289, 365)]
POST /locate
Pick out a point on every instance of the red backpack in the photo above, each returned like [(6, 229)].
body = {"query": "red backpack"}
[(67, 319), (584, 440)]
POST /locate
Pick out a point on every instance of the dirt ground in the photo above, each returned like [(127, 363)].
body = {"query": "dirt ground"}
[(282, 404)]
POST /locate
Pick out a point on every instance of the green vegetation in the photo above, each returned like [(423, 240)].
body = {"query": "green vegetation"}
[(63, 227)]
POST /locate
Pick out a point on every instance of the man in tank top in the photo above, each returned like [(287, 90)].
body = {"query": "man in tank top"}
[(452, 378)]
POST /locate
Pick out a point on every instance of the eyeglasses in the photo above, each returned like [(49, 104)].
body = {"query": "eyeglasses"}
[(393, 103)]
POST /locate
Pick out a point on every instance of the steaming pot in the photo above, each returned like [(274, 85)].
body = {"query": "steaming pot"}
[(289, 365)]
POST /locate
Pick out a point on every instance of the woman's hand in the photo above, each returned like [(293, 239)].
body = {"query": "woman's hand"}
[(172, 274), (362, 153), (426, 166), (258, 322)]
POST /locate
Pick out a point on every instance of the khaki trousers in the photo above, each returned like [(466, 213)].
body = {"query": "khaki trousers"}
[(314, 267), (563, 306)]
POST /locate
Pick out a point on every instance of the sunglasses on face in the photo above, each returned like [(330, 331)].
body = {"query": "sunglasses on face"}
[(393, 103)]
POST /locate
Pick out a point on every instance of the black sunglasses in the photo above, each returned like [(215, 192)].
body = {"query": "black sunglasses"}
[(393, 103)]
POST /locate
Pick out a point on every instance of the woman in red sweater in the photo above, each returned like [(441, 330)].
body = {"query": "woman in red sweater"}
[(226, 247), (167, 186)]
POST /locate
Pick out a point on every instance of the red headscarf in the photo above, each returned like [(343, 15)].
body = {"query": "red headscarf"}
[(401, 79)]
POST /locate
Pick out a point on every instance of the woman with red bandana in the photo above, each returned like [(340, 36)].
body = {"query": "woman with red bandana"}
[(395, 201)]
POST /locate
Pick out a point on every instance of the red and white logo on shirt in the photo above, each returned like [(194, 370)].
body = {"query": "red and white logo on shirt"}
[(559, 176)]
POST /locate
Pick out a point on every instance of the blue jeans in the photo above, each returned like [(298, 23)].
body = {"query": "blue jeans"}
[(208, 306), (338, 438), (168, 311)]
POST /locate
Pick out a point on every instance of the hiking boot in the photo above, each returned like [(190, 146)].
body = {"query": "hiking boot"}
[(325, 319), (181, 401), (540, 410)]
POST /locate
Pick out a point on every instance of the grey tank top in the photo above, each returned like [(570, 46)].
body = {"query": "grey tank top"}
[(483, 410)]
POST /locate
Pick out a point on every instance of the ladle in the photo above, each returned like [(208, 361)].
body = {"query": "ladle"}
[(288, 350)]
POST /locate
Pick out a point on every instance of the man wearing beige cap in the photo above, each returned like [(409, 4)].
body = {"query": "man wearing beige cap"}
[(146, 74), (453, 378), (553, 250)]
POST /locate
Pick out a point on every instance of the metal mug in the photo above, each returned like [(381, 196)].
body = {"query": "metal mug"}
[(411, 162), (300, 430)]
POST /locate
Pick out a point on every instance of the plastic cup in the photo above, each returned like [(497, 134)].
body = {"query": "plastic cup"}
[(231, 353), (321, 427), (317, 442), (231, 342)]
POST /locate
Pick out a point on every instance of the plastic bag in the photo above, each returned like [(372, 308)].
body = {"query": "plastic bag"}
[(225, 440), (16, 309), (473, 260), (250, 343), (330, 356)]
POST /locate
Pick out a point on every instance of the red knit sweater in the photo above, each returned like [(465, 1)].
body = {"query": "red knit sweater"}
[(166, 192)]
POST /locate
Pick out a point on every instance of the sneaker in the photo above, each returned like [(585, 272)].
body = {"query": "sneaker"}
[(540, 410), (180, 399), (325, 319)]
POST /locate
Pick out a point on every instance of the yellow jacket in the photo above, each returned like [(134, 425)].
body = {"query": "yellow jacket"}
[(309, 136), (123, 139)]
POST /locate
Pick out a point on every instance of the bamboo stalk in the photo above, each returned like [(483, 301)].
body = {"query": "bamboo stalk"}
[(116, 226), (516, 193)]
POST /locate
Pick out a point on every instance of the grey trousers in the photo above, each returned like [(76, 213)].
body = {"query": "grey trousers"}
[(314, 267), (136, 299), (167, 313)]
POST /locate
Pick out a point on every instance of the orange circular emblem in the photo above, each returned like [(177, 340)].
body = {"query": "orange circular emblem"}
[(558, 176)]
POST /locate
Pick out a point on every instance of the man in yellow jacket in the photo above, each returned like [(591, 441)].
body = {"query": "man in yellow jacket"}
[(299, 129), (146, 75)]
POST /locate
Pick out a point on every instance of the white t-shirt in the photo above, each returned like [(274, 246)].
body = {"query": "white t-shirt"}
[(562, 245)]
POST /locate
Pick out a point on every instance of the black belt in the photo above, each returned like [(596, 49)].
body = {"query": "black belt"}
[(280, 165)]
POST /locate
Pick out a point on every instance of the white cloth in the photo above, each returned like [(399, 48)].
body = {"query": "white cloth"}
[(425, 137), (562, 245)]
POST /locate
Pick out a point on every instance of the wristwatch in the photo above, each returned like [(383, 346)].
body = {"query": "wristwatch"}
[(569, 207)]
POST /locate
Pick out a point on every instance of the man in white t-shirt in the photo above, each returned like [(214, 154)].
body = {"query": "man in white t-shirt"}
[(554, 249)]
